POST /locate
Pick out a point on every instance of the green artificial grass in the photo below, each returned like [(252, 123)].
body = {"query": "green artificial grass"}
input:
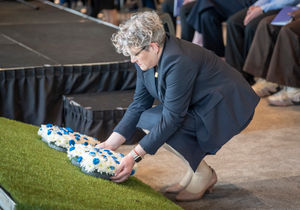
[(38, 177)]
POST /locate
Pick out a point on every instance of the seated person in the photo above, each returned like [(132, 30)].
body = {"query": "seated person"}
[(187, 32), (206, 19), (274, 58), (107, 6), (241, 28)]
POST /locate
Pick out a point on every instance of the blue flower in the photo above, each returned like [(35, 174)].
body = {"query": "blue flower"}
[(109, 153), (71, 149), (85, 138), (70, 130), (96, 161), (92, 153), (85, 143), (77, 135), (49, 132), (121, 154), (114, 157), (66, 132), (106, 150), (111, 167), (59, 133), (96, 149), (77, 138), (117, 162), (79, 159), (49, 125), (71, 142), (132, 172)]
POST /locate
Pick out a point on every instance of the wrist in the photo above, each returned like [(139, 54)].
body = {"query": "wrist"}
[(136, 157)]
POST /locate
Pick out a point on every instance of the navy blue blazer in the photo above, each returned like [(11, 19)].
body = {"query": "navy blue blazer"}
[(201, 96)]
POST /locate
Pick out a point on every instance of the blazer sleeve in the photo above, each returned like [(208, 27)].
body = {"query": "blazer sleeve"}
[(142, 100), (179, 80)]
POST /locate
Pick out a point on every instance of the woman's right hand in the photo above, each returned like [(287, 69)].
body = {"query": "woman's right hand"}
[(114, 141)]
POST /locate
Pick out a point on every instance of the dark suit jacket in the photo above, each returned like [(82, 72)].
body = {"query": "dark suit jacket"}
[(200, 94)]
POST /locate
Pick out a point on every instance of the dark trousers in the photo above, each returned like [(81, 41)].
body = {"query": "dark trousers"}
[(239, 39), (187, 31), (211, 27), (168, 7)]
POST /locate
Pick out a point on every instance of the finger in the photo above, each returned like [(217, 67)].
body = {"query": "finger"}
[(120, 178), (101, 145), (245, 21), (123, 179), (120, 174), (119, 169)]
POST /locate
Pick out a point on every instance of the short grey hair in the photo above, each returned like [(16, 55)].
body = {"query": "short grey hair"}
[(139, 31)]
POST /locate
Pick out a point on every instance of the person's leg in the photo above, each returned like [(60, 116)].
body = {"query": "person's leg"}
[(187, 31), (194, 184), (249, 35), (111, 16), (250, 30), (168, 7), (285, 66), (260, 53), (235, 39), (203, 181), (184, 144), (149, 4), (211, 27), (93, 8), (177, 187)]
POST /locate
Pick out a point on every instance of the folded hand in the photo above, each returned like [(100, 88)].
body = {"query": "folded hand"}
[(253, 12)]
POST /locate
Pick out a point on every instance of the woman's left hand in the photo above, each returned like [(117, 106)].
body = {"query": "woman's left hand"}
[(123, 171)]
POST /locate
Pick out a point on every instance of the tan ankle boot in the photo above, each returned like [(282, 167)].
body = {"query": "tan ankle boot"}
[(177, 187), (202, 181)]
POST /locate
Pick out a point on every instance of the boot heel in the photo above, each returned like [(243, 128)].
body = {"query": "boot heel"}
[(210, 189)]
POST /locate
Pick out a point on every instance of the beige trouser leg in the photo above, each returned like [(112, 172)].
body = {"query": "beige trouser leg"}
[(188, 175), (195, 181)]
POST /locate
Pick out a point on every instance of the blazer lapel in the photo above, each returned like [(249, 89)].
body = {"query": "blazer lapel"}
[(150, 82)]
